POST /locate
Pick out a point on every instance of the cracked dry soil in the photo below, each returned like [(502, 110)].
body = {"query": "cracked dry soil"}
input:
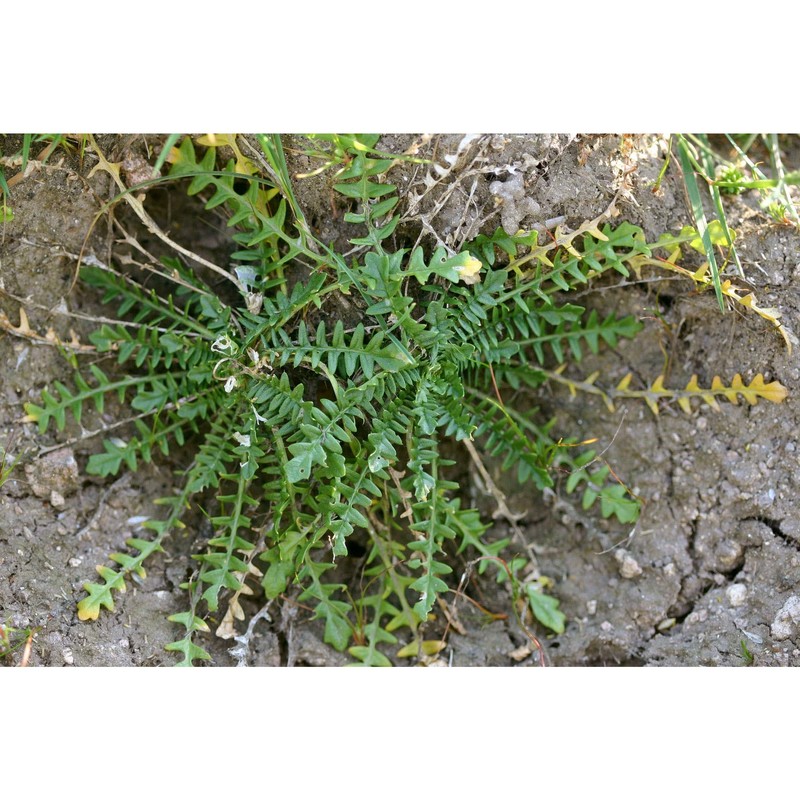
[(710, 574)]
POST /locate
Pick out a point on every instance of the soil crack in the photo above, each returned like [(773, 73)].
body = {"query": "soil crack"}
[(775, 527)]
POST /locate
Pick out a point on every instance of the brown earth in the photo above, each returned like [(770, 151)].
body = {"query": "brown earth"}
[(710, 575)]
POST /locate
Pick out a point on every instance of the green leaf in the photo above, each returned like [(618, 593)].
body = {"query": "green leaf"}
[(462, 266), (189, 621), (277, 577), (613, 500), (100, 595), (356, 191), (337, 627), (545, 608), (191, 652), (369, 656), (306, 454)]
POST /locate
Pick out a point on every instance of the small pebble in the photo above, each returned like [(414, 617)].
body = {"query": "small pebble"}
[(57, 499), (766, 499), (66, 654), (728, 554), (628, 565), (737, 594), (137, 169), (696, 617)]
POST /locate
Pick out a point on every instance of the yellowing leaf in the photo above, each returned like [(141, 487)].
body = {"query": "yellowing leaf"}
[(700, 274), (685, 402), (597, 233), (652, 405), (88, 612), (711, 401), (774, 391), (430, 647), (717, 235), (175, 156), (625, 382), (243, 164), (469, 272)]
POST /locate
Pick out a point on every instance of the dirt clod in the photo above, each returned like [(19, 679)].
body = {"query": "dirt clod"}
[(54, 476), (786, 620), (628, 565)]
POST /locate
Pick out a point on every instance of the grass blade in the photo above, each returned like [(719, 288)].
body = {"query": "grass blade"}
[(172, 140), (708, 166), (693, 190)]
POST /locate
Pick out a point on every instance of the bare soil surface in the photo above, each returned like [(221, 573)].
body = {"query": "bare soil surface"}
[(710, 575)]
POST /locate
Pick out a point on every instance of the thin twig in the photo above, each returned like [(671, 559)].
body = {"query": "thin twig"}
[(26, 653), (149, 223), (155, 265), (502, 507), (90, 434), (462, 585), (60, 311)]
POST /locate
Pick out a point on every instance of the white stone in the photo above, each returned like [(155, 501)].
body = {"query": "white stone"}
[(737, 594), (786, 620), (628, 565)]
